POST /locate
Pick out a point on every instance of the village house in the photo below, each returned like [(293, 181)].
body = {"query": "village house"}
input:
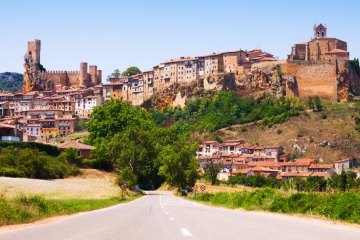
[(83, 150)]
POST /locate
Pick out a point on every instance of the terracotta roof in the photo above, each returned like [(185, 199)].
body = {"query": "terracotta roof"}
[(345, 160), (76, 145), (244, 171), (337, 51), (296, 174), (267, 164), (209, 142), (294, 163), (284, 155), (303, 160), (321, 166)]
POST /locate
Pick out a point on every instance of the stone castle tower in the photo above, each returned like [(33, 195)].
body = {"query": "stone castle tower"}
[(38, 80), (33, 50)]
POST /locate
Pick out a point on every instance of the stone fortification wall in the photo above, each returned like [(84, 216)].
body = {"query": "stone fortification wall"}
[(313, 78), (267, 64), (57, 77), (74, 78)]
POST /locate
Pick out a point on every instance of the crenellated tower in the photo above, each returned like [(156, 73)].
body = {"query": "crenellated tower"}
[(33, 50)]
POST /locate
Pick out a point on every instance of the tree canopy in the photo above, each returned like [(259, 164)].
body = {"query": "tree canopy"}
[(115, 74), (131, 71), (127, 137)]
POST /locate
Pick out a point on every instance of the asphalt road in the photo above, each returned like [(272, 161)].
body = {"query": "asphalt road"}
[(160, 215)]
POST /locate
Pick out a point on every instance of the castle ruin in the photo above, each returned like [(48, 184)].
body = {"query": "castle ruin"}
[(36, 78)]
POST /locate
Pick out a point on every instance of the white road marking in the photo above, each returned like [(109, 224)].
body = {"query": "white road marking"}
[(162, 206), (166, 213), (171, 219), (185, 232)]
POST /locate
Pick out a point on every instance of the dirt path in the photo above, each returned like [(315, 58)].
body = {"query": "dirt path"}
[(92, 184)]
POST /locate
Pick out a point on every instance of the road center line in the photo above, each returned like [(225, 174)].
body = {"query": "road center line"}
[(162, 206), (185, 232)]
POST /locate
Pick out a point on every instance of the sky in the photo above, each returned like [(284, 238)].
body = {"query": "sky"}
[(119, 34)]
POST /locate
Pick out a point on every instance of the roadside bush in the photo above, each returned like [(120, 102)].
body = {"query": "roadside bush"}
[(30, 163)]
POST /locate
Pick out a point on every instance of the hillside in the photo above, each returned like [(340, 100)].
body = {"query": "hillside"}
[(11, 82), (335, 125)]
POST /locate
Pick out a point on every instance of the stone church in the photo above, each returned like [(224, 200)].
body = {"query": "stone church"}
[(320, 47)]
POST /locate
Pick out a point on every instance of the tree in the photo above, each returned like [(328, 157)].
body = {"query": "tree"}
[(212, 170), (135, 148), (70, 155), (178, 164), (114, 117), (131, 71), (115, 74)]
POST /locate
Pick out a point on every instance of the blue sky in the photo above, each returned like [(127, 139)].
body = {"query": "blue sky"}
[(119, 34)]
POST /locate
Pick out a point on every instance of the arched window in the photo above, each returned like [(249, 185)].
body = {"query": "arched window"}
[(323, 34), (318, 34)]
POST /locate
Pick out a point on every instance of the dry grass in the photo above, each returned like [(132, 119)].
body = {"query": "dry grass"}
[(92, 184), (307, 131)]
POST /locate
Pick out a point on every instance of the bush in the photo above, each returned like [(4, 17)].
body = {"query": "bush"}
[(47, 148), (30, 163)]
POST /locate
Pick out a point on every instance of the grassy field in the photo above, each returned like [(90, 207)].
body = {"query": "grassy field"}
[(27, 200)]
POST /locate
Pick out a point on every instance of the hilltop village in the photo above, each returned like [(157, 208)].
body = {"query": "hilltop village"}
[(52, 103)]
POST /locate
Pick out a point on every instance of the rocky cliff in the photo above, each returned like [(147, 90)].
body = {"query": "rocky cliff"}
[(327, 79)]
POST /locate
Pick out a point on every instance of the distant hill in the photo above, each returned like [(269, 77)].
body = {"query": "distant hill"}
[(11, 82)]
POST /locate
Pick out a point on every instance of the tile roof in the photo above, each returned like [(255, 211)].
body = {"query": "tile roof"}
[(321, 166), (76, 145), (296, 174), (345, 160), (307, 160), (337, 51)]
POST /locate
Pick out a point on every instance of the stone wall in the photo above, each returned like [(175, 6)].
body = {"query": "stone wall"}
[(313, 78), (74, 78), (58, 77)]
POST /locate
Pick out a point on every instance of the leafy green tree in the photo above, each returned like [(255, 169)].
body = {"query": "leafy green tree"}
[(115, 74), (212, 170), (136, 148), (115, 117), (71, 155), (127, 176), (131, 71), (317, 184), (179, 166), (101, 156)]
